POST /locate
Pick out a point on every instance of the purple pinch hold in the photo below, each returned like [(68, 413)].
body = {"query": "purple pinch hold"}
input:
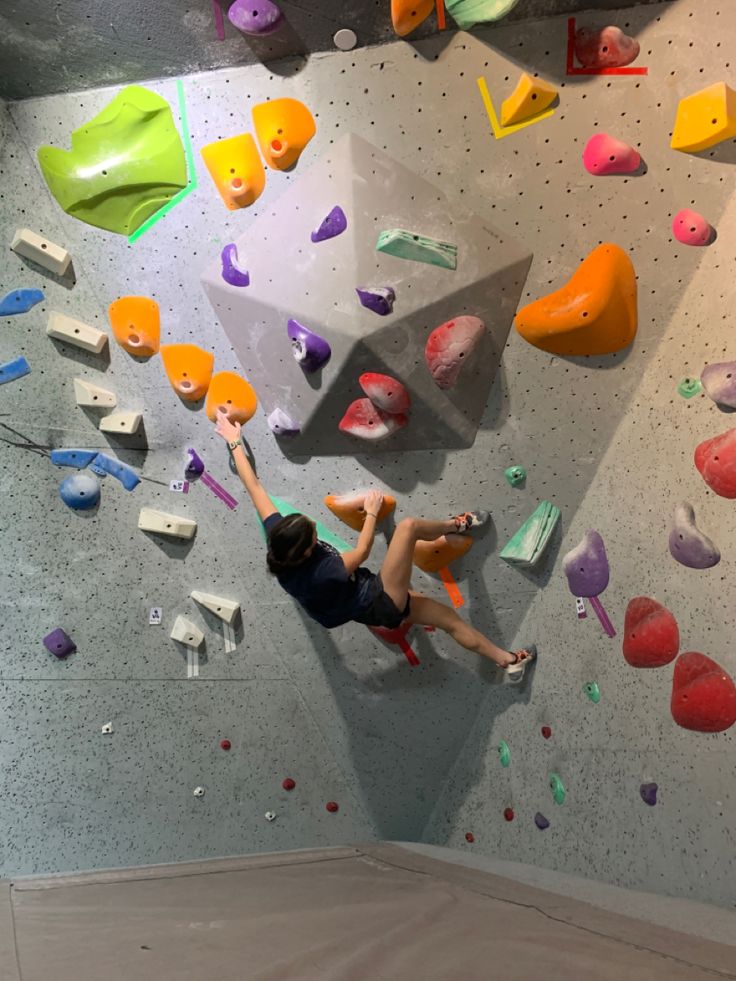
[(648, 793), (310, 350), (59, 643), (334, 224), (541, 821), (195, 466), (231, 272), (256, 17), (379, 299)]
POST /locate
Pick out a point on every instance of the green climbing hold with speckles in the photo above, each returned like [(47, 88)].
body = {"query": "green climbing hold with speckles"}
[(689, 387), (504, 753), (592, 690), (406, 245), (558, 788), (515, 475)]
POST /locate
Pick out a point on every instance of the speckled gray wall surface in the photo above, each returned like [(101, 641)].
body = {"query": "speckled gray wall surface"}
[(72, 44), (345, 716)]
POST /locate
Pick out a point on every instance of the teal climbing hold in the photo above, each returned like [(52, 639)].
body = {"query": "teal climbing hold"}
[(504, 753), (689, 387), (527, 546), (407, 245), (592, 690), (515, 476), (558, 788), (468, 13)]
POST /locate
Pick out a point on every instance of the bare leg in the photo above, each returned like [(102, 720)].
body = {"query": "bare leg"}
[(397, 566), (429, 612)]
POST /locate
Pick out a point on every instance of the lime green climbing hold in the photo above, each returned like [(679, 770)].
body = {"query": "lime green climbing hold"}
[(515, 475), (526, 547), (406, 245), (592, 690), (504, 753), (468, 13), (123, 166), (558, 788), (689, 387)]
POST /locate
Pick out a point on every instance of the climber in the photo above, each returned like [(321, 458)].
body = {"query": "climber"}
[(334, 589)]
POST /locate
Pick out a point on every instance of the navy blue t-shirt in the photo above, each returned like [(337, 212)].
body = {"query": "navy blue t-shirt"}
[(321, 584)]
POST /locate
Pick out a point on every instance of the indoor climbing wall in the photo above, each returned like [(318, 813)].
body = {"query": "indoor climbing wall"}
[(115, 751)]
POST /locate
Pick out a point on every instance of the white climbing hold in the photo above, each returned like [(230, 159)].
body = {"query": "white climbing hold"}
[(198, 791), (107, 729), (32, 246), (64, 328), (270, 815), (187, 633), (121, 422), (225, 609), (345, 39), (166, 524), (93, 396)]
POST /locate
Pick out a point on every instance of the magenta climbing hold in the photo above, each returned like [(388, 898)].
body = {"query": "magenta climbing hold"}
[(716, 460), (703, 694), (231, 272), (648, 793), (59, 643), (281, 424), (385, 392), (605, 47), (334, 224), (541, 821), (604, 155), (379, 299), (450, 346), (690, 228), (310, 351), (255, 17), (719, 383), (688, 545), (364, 420)]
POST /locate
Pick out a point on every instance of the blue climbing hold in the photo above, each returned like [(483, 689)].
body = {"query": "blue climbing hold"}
[(20, 301), (125, 474), (80, 491), (13, 370), (73, 458)]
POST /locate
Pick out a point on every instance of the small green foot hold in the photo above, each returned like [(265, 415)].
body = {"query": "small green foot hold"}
[(515, 476), (592, 690), (558, 788), (689, 387), (504, 753), (406, 245)]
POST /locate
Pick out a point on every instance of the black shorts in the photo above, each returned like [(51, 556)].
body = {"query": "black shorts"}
[(383, 612)]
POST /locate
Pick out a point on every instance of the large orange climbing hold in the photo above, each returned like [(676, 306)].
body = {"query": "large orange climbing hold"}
[(189, 369), (283, 128), (136, 324), (593, 313), (233, 395), (349, 508), (436, 555), (406, 15)]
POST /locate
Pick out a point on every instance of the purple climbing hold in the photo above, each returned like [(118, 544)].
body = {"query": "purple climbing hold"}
[(257, 17), (586, 566), (719, 383), (231, 272), (309, 349), (688, 545), (59, 643), (282, 424), (541, 821), (195, 465), (334, 224), (648, 793), (379, 299)]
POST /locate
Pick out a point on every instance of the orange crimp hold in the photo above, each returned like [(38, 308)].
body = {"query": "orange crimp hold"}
[(349, 508), (236, 169), (406, 15), (136, 324), (283, 128), (232, 394), (433, 556), (189, 369), (594, 313)]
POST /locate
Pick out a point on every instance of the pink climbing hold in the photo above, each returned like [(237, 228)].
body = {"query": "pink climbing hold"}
[(605, 47), (363, 420), (604, 155), (716, 460), (690, 228), (703, 694), (385, 392), (449, 346)]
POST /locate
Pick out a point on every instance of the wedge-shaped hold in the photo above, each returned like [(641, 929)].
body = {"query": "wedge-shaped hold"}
[(605, 155), (651, 634), (80, 491), (124, 164), (333, 225), (225, 609), (705, 118), (281, 424), (385, 392), (450, 346), (436, 555), (586, 566), (530, 97), (136, 324), (688, 545), (232, 394), (13, 370), (125, 474), (605, 47), (350, 508), (719, 383), (189, 369), (40, 250), (528, 545), (364, 420), (231, 271), (716, 462), (703, 694), (283, 129), (468, 13), (379, 299), (594, 313), (691, 228), (407, 245), (59, 643), (93, 396), (121, 422), (73, 458), (236, 170), (187, 633), (407, 15), (20, 301), (161, 523), (311, 352), (63, 328), (256, 17)]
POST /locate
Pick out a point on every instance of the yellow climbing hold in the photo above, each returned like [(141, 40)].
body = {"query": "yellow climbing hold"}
[(531, 96), (236, 169), (705, 118)]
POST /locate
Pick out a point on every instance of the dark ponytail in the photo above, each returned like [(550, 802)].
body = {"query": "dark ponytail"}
[(290, 538)]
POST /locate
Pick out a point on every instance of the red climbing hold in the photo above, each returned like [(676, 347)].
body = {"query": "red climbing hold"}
[(703, 694), (606, 47), (651, 635), (225, 744), (547, 732), (288, 783), (469, 837), (716, 460), (332, 807), (509, 814)]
